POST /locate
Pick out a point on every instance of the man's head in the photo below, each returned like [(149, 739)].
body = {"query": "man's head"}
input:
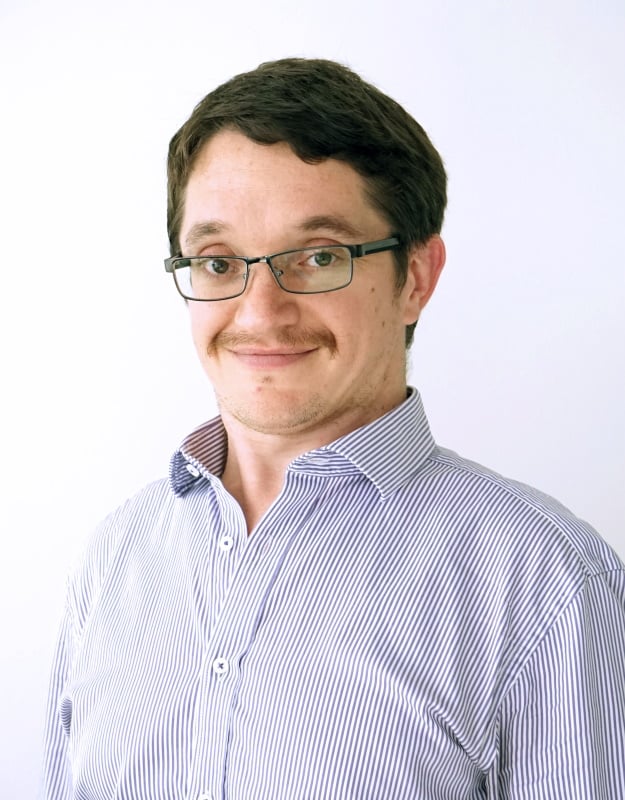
[(289, 166), (323, 110)]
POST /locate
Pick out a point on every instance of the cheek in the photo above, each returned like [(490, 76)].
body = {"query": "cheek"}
[(381, 323), (203, 328), (360, 329)]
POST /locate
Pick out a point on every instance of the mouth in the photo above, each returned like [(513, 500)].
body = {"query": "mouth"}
[(270, 359)]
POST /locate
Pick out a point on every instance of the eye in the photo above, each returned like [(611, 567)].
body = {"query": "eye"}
[(321, 258), (217, 266)]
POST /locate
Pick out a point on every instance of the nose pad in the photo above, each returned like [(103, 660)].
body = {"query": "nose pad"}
[(275, 273)]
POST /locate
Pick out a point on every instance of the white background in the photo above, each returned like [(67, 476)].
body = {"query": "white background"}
[(519, 358)]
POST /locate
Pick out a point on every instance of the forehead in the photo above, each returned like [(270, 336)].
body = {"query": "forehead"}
[(242, 184)]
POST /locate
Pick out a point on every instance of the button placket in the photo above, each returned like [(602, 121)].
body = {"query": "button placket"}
[(226, 533)]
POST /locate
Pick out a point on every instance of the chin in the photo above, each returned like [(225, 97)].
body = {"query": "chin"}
[(280, 415)]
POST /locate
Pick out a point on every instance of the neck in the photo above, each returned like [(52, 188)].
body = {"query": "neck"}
[(257, 461), (255, 468)]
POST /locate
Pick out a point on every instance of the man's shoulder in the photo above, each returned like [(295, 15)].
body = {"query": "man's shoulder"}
[(512, 514), (506, 553), (124, 527), (134, 512)]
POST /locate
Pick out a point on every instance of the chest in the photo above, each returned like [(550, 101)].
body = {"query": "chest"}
[(313, 662)]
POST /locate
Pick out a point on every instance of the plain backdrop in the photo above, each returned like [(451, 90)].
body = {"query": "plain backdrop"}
[(519, 357)]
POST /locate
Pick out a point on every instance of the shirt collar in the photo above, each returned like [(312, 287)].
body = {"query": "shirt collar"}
[(201, 454), (388, 451), (392, 448)]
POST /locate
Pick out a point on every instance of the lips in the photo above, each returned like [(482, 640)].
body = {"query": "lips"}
[(270, 359)]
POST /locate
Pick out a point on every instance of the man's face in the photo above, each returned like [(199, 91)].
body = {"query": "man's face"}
[(283, 363)]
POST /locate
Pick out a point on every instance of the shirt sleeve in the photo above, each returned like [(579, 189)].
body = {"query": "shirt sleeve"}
[(56, 783), (83, 586), (562, 724)]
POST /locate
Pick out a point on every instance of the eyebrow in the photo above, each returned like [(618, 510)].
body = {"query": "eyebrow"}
[(332, 223), (201, 230)]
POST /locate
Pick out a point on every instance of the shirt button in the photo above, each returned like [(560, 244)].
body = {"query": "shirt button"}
[(226, 543), (221, 666), (193, 470)]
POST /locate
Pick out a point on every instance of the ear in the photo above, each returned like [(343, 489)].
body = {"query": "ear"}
[(425, 264)]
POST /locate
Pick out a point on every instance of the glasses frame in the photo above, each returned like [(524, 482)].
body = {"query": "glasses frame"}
[(355, 250)]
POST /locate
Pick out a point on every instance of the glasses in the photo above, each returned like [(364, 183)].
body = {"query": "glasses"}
[(310, 270)]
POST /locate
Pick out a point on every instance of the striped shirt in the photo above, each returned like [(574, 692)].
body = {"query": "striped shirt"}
[(402, 623)]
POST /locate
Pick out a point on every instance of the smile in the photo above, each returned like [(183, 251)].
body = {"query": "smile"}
[(269, 359)]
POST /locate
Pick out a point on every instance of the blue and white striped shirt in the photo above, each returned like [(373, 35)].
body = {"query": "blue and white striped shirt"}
[(402, 623)]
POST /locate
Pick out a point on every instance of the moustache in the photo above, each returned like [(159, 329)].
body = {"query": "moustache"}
[(303, 338)]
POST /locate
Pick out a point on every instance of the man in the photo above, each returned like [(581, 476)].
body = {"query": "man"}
[(320, 602)]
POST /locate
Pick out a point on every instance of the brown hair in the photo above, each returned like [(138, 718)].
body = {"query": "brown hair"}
[(323, 110)]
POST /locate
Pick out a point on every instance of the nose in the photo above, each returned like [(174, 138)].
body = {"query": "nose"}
[(264, 305)]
